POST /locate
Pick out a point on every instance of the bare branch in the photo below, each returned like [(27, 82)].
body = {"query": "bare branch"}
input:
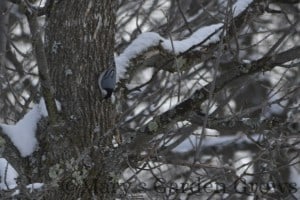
[(46, 86)]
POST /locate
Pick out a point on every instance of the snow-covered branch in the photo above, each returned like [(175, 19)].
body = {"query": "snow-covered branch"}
[(204, 36), (22, 134)]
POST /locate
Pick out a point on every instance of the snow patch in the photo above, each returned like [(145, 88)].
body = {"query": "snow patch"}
[(140, 44), (22, 134), (190, 143), (149, 39), (8, 175), (196, 38), (240, 6), (30, 187)]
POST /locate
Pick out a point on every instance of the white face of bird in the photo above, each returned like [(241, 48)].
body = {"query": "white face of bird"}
[(103, 92)]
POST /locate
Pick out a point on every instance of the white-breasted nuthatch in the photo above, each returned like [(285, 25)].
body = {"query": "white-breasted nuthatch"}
[(107, 82)]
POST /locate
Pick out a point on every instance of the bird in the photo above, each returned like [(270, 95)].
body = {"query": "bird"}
[(107, 82)]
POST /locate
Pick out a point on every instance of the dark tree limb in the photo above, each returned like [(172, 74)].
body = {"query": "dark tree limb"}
[(4, 16), (192, 104), (46, 86)]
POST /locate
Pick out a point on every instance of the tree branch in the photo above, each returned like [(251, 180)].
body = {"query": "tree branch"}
[(4, 16), (46, 87), (182, 110)]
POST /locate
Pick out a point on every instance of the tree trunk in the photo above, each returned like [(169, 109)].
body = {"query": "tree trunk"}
[(79, 40)]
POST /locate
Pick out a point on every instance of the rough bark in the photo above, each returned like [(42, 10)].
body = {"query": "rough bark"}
[(79, 41)]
